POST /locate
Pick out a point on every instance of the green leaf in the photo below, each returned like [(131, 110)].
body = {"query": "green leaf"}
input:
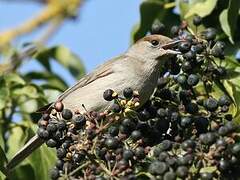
[(183, 7), (202, 9), (14, 78), (3, 161), (135, 28), (2, 176), (25, 172), (223, 18), (52, 87), (70, 60), (4, 94), (52, 95), (3, 97), (145, 176), (44, 57), (63, 56), (149, 11), (231, 85), (209, 169), (225, 87), (228, 18), (38, 163), (54, 80), (29, 106), (16, 140), (152, 10), (29, 91), (2, 143), (42, 159)]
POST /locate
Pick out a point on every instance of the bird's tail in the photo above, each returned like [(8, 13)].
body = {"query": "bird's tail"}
[(27, 149)]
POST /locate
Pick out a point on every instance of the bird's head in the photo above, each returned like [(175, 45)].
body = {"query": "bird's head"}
[(153, 47)]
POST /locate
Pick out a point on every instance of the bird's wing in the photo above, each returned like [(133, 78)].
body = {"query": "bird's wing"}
[(100, 72), (35, 142)]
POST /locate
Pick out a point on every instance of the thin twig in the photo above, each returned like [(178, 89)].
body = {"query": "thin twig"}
[(79, 168), (99, 164), (51, 30), (16, 59)]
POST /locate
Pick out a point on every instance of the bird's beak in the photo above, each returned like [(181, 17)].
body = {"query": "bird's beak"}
[(167, 47), (171, 44), (172, 52)]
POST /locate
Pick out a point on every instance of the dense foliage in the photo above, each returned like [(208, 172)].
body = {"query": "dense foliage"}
[(189, 129)]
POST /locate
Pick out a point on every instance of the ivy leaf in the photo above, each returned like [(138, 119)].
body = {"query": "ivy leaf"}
[(4, 68), (223, 18), (44, 57), (233, 91), (209, 169), (42, 159), (2, 176), (14, 78), (183, 7), (63, 56), (2, 143), (42, 163), (3, 97), (225, 87), (51, 78), (149, 11), (3, 161), (4, 94), (145, 175), (230, 85), (202, 8), (25, 172), (39, 162), (70, 60), (16, 139), (29, 106), (29, 91), (133, 32), (228, 18)]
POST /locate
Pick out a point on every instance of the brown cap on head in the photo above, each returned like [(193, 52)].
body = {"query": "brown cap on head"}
[(153, 47), (165, 42)]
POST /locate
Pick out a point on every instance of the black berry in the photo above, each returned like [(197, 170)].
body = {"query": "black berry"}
[(67, 114), (211, 104), (108, 95), (193, 80), (128, 92), (112, 143), (157, 27), (158, 168), (197, 20), (184, 46)]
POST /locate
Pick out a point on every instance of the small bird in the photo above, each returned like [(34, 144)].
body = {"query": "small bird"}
[(138, 68)]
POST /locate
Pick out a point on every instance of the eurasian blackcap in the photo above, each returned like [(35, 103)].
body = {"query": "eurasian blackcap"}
[(138, 68)]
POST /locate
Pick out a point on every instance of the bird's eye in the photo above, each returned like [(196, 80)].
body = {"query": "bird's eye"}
[(155, 42)]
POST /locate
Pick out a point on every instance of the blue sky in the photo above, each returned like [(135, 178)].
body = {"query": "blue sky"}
[(101, 32)]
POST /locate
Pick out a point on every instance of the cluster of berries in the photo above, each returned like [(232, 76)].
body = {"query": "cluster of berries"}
[(184, 131)]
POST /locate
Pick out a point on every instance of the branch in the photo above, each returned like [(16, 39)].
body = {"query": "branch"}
[(15, 60), (51, 30), (31, 1)]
